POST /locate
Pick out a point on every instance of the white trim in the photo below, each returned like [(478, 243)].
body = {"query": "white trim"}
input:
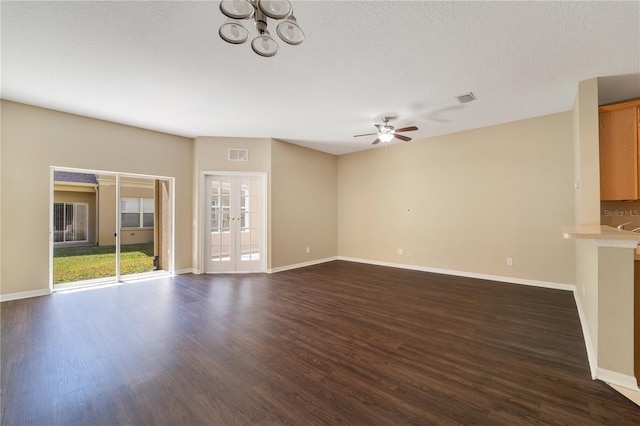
[(24, 295), (512, 280), (52, 170), (118, 227), (301, 265), (105, 172), (591, 353), (84, 283), (186, 271), (618, 379)]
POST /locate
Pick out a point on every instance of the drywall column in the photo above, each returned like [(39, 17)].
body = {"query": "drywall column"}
[(587, 152), (587, 208), (604, 275), (615, 319)]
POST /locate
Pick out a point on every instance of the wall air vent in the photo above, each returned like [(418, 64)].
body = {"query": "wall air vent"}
[(238, 154), (464, 99)]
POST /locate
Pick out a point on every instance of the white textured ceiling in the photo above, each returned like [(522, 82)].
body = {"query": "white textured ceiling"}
[(162, 65)]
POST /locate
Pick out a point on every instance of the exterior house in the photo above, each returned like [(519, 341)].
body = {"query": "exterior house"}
[(84, 210), (74, 208)]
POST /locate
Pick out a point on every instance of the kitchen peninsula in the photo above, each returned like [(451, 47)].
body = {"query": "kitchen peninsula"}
[(618, 288)]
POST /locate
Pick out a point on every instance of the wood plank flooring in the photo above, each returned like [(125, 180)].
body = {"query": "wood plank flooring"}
[(337, 343)]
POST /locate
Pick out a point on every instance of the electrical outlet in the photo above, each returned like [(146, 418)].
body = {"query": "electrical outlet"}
[(400, 251), (509, 261), (308, 249)]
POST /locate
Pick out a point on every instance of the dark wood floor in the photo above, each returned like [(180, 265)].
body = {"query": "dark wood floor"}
[(338, 343)]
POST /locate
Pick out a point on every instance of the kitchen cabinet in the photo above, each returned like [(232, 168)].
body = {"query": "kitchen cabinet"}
[(619, 126)]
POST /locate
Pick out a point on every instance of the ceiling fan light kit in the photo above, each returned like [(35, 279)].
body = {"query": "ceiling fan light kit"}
[(263, 44), (385, 137), (386, 132)]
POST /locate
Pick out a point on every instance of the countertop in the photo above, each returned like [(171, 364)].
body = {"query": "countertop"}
[(601, 232), (598, 232)]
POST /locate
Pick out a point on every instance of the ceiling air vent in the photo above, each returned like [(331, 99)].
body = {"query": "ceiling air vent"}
[(238, 154), (469, 97)]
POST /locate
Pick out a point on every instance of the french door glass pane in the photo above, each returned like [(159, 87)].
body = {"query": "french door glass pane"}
[(220, 220), (250, 211)]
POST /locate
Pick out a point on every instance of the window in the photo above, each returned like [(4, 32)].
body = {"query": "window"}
[(70, 222), (136, 212)]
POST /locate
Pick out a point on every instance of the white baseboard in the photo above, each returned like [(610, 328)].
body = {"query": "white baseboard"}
[(500, 278), (24, 295), (618, 379), (301, 265), (591, 353), (185, 271)]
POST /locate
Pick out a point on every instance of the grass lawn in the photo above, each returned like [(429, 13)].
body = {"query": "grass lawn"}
[(87, 263)]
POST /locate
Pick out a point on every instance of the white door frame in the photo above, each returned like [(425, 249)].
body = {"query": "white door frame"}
[(204, 215)]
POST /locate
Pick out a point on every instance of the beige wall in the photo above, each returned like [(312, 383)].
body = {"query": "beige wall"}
[(615, 308), (465, 201), (34, 139), (303, 205)]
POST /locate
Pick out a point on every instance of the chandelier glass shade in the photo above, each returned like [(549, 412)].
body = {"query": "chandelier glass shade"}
[(236, 9), (275, 9), (289, 31), (264, 45), (232, 31)]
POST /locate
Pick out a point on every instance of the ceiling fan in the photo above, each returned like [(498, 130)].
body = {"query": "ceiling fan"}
[(386, 132)]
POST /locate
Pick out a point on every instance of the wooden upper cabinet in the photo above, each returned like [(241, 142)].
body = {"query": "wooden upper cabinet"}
[(619, 151)]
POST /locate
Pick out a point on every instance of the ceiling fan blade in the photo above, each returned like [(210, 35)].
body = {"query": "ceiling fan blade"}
[(366, 134), (376, 141), (407, 129), (402, 137)]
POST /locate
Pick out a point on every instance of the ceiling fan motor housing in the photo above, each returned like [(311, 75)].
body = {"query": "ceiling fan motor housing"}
[(387, 132)]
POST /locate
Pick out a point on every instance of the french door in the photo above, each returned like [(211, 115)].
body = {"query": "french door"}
[(234, 223)]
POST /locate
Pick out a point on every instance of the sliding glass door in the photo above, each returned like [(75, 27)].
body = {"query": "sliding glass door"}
[(109, 227)]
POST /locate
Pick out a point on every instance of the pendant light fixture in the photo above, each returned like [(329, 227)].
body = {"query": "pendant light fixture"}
[(232, 31)]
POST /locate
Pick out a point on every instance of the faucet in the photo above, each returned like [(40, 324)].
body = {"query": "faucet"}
[(636, 230), (621, 226)]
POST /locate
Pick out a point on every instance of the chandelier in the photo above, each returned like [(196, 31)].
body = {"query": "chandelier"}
[(232, 31)]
